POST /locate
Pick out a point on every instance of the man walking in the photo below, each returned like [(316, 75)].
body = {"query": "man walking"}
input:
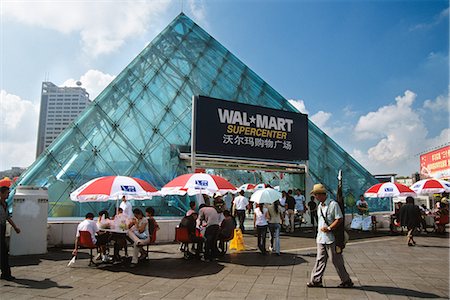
[(410, 217), (4, 251), (240, 205), (330, 216)]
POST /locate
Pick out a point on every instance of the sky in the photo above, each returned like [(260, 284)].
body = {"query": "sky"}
[(374, 75)]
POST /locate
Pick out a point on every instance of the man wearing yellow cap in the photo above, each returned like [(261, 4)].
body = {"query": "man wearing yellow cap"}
[(329, 216)]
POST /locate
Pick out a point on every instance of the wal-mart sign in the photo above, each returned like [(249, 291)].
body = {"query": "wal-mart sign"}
[(226, 128)]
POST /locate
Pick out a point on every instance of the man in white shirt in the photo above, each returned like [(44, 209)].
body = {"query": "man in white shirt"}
[(240, 205), (127, 208), (91, 226), (330, 216)]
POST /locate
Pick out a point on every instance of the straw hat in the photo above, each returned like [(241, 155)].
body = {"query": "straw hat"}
[(318, 189)]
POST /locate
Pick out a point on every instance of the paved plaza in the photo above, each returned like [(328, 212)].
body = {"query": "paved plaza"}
[(381, 266)]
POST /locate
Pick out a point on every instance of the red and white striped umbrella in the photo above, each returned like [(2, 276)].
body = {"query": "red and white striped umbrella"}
[(248, 187), (197, 183), (388, 189), (113, 187), (431, 186), (260, 186)]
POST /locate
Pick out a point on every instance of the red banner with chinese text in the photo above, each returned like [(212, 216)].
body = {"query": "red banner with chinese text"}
[(436, 163)]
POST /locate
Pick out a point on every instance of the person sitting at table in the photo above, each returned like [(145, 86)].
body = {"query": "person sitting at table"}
[(362, 206), (100, 240), (191, 208), (227, 227), (103, 221), (442, 216), (152, 224), (195, 237), (138, 233)]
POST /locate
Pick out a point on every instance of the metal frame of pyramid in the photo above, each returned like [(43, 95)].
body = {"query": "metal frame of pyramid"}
[(134, 126)]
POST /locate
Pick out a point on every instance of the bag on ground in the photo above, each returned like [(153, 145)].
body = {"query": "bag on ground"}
[(356, 223), (366, 223)]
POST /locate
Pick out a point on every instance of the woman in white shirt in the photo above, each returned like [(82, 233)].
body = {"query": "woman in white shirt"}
[(260, 223), (138, 233)]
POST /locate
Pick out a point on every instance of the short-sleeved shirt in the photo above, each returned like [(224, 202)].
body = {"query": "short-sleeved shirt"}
[(300, 202), (361, 204), (127, 209), (275, 217), (142, 222), (261, 217), (4, 215), (290, 202), (331, 211), (210, 215), (283, 201), (88, 225), (240, 203)]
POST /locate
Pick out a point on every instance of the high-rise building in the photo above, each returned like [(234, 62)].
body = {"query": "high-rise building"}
[(59, 107), (140, 126)]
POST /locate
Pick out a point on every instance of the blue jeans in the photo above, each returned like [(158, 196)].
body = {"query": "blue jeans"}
[(262, 230), (275, 236)]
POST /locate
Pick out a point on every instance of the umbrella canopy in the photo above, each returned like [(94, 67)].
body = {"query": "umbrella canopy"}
[(431, 186), (266, 195), (6, 181), (113, 187), (260, 186), (388, 189), (248, 187), (197, 183)]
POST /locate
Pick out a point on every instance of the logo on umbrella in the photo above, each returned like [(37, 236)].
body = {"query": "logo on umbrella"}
[(388, 189), (128, 188), (202, 183)]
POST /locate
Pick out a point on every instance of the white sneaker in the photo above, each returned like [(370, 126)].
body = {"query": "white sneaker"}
[(98, 257), (270, 248)]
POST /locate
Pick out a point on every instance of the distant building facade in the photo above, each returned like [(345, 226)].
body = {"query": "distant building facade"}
[(59, 107)]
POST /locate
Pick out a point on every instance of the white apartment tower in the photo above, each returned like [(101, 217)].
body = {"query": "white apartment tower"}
[(59, 107)]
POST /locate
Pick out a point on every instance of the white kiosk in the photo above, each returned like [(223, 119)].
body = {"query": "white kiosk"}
[(30, 211)]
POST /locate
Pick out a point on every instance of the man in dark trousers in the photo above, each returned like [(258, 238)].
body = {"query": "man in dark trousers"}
[(410, 217), (4, 251)]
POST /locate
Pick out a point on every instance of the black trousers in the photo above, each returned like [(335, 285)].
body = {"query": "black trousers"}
[(4, 253), (211, 233), (241, 218), (313, 217)]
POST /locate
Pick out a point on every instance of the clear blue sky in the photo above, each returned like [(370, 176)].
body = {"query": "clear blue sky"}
[(374, 75)]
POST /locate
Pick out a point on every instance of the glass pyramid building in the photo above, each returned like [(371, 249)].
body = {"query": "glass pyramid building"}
[(137, 124)]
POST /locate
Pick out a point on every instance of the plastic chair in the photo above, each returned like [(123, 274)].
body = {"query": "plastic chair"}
[(441, 222), (152, 240), (85, 241), (182, 236)]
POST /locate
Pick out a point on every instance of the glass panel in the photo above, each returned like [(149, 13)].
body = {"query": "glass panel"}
[(137, 123)]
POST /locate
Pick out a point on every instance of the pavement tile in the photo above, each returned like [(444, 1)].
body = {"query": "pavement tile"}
[(380, 269)]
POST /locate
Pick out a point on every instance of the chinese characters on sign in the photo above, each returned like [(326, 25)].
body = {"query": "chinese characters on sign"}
[(234, 129), (436, 163)]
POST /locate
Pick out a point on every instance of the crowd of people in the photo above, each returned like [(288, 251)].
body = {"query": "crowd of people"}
[(214, 222), (127, 224)]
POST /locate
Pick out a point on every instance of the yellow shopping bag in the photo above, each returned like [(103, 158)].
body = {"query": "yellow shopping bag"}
[(237, 243)]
